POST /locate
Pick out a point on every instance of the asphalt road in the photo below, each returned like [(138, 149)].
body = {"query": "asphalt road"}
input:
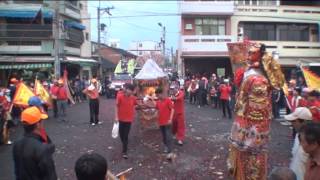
[(203, 156)]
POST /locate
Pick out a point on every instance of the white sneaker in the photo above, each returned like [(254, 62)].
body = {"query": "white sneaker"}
[(99, 122), (9, 142), (93, 124), (285, 123), (171, 157)]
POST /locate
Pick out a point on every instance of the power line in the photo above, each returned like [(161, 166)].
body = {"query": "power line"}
[(132, 16), (149, 12), (179, 14), (146, 28)]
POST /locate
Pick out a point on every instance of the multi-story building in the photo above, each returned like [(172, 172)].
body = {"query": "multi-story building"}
[(205, 32), (28, 34), (140, 48), (290, 29)]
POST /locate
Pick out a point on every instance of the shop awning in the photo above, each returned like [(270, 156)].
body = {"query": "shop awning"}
[(74, 24), (26, 13), (81, 61), (26, 66), (27, 59)]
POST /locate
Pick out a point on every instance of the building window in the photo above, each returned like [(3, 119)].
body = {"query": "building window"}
[(280, 31), (254, 2), (140, 53), (210, 26), (294, 32), (87, 36), (260, 31), (81, 6), (73, 2), (140, 44)]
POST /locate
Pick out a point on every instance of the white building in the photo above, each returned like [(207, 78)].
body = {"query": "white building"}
[(289, 28), (141, 48)]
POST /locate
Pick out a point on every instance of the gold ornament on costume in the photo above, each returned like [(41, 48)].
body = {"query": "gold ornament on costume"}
[(273, 71)]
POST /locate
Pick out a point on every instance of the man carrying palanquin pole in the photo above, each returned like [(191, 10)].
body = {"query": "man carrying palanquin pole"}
[(250, 131)]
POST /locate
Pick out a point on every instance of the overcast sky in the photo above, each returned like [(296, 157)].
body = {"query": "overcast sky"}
[(143, 27)]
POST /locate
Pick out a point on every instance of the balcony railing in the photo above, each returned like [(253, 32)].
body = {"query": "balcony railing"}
[(75, 35), (207, 7), (28, 1), (209, 43), (294, 48), (312, 13), (25, 31)]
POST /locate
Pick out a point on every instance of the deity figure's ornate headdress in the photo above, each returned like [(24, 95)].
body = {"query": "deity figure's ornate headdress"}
[(244, 55)]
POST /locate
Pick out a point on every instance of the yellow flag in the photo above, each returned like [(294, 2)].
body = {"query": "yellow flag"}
[(22, 95), (40, 91), (118, 68), (312, 80), (131, 66)]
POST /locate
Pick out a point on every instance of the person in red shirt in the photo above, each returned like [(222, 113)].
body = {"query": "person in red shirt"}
[(178, 121), (225, 91), (53, 93), (5, 118), (165, 114), (314, 105), (62, 100), (93, 93), (304, 95), (125, 109)]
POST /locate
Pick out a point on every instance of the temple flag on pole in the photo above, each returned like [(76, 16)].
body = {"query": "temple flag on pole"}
[(285, 89), (43, 94), (312, 79), (66, 85), (22, 95)]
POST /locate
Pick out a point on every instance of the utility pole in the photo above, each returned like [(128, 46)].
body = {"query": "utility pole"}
[(99, 29), (172, 59), (99, 11), (56, 33), (163, 41)]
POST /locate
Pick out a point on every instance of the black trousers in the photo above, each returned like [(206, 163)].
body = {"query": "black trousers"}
[(202, 97), (226, 104), (166, 136), (55, 108), (215, 101), (124, 129), (94, 110), (193, 96), (275, 110)]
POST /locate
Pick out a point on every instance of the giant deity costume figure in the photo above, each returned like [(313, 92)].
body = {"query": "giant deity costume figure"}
[(249, 136)]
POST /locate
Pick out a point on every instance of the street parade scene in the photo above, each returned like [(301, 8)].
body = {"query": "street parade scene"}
[(236, 97)]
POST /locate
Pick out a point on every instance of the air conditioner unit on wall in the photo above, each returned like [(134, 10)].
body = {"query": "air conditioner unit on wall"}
[(188, 27)]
